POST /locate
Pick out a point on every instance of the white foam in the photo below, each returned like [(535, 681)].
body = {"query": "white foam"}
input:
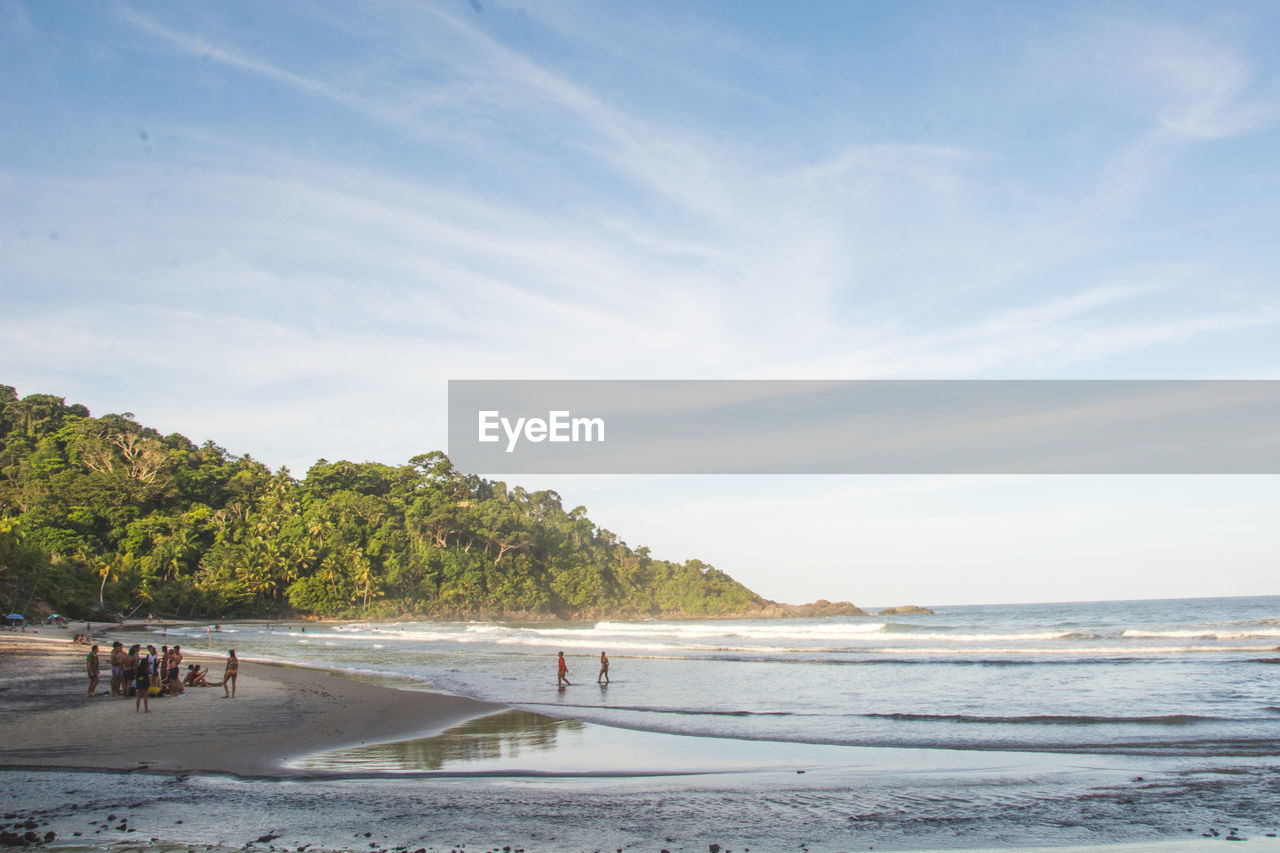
[(1200, 635)]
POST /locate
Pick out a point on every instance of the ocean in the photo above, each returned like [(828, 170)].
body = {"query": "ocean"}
[(1189, 677), (1011, 726)]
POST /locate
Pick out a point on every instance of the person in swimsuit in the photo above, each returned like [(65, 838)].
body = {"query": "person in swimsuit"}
[(604, 669), (142, 679), (129, 671), (153, 666), (233, 669), (92, 666), (175, 661), (196, 676), (117, 668), (562, 673)]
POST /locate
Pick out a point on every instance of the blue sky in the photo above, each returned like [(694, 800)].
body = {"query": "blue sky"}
[(285, 226)]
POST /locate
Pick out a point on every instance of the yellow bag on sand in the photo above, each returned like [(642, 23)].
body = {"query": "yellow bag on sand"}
[(153, 691)]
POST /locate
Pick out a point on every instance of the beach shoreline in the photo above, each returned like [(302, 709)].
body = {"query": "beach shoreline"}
[(280, 711), (96, 771)]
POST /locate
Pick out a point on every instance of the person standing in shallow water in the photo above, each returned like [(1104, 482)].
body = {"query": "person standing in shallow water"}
[(603, 677), (562, 673)]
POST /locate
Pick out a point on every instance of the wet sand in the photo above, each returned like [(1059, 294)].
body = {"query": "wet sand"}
[(279, 712), (293, 763)]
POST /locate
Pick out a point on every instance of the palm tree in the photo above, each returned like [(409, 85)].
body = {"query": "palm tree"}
[(109, 570)]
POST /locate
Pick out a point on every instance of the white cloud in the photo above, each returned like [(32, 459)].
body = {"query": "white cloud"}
[(487, 214)]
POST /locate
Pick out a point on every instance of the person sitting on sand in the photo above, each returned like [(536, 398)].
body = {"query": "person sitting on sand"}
[(604, 669), (562, 673), (92, 666), (233, 669), (197, 676)]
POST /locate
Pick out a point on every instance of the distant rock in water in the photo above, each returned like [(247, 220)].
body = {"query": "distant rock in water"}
[(816, 609), (905, 610)]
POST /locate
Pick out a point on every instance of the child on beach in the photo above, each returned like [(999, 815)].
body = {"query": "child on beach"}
[(604, 669)]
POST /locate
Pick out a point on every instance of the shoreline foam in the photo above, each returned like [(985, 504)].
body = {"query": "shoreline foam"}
[(224, 771)]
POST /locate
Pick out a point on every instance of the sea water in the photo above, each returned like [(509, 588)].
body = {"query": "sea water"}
[(1189, 677)]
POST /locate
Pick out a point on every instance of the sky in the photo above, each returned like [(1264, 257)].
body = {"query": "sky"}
[(284, 227)]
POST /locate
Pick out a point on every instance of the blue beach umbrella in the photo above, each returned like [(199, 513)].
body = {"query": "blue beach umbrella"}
[(15, 616)]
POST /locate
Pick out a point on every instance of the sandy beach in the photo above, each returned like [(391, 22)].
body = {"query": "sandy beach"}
[(201, 772), (279, 712)]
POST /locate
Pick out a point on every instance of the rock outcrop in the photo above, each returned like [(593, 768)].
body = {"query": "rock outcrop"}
[(905, 610), (814, 609)]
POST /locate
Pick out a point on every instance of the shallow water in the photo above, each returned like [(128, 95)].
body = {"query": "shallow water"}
[(1195, 677)]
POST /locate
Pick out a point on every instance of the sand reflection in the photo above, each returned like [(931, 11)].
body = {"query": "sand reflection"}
[(501, 737)]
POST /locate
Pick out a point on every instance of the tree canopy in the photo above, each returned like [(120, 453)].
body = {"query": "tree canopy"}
[(106, 516)]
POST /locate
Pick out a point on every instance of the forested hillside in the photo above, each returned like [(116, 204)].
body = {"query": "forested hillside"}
[(104, 516)]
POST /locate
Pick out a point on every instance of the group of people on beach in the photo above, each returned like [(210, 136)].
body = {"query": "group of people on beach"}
[(143, 675)]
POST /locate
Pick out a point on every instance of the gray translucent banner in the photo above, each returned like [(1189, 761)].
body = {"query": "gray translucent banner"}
[(865, 427)]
